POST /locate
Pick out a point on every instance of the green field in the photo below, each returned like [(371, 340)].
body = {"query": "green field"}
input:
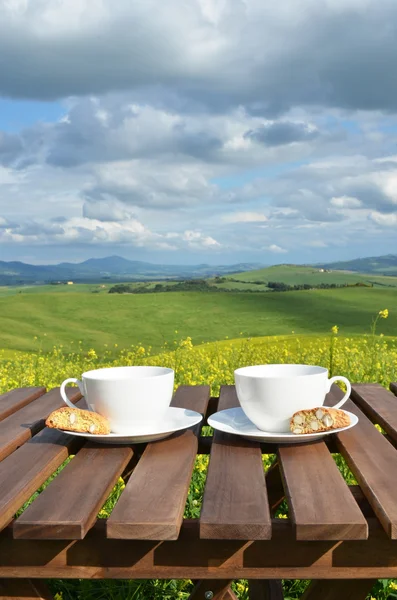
[(152, 319), (86, 288), (295, 274)]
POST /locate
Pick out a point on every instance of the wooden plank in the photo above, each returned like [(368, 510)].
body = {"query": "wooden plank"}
[(268, 589), (321, 505), (393, 388), (213, 589), (16, 429), (68, 507), (230, 595), (235, 504), (14, 400), (373, 460), (351, 589), (152, 504), (189, 557), (22, 473), (24, 589), (378, 404)]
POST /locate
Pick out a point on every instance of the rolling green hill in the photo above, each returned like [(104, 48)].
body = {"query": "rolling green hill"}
[(383, 265), (296, 274), (151, 319)]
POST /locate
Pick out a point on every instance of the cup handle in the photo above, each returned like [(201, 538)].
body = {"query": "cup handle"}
[(63, 393), (348, 391)]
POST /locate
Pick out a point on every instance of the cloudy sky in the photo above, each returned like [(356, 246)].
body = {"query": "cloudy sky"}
[(186, 131)]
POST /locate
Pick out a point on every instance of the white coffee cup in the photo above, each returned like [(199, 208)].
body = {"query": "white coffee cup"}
[(270, 394), (133, 399)]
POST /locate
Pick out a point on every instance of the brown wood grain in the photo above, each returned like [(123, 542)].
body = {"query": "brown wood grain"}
[(68, 507), (24, 589), (151, 506), (321, 505), (16, 429), (14, 400), (268, 589), (230, 595), (378, 404), (235, 504), (353, 589), (189, 557), (218, 587), (373, 461), (22, 473)]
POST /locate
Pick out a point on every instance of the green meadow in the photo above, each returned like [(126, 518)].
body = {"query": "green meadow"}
[(296, 274), (99, 319)]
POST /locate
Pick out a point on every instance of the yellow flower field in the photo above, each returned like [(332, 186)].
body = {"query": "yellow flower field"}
[(366, 358)]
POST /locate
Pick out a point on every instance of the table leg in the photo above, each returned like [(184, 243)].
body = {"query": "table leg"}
[(24, 589), (265, 589), (212, 589), (335, 589)]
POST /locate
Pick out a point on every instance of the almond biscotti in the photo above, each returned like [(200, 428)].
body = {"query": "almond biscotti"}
[(318, 419), (76, 419)]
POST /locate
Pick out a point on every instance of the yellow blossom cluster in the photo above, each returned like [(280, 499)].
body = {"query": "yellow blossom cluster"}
[(362, 358)]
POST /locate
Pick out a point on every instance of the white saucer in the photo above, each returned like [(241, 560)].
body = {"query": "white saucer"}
[(234, 420), (176, 419)]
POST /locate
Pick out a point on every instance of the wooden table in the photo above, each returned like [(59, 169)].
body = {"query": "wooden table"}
[(342, 538)]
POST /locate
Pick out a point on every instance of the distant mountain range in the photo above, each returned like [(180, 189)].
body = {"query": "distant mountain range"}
[(111, 268), (381, 265), (116, 269)]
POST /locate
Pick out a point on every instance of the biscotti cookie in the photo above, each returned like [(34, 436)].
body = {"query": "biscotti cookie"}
[(318, 419), (76, 419)]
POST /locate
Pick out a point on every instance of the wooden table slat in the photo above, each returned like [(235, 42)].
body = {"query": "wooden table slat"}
[(26, 469), (68, 507), (14, 400), (219, 588), (378, 404), (322, 506), (16, 429), (151, 506), (373, 461), (235, 504), (393, 388), (268, 589)]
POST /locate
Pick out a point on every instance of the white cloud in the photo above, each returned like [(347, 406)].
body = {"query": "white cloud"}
[(129, 232), (276, 249), (227, 124), (385, 220), (316, 244), (244, 217), (196, 240), (346, 202), (266, 56)]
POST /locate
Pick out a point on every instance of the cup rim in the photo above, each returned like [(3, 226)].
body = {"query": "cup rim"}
[(161, 372), (249, 371)]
